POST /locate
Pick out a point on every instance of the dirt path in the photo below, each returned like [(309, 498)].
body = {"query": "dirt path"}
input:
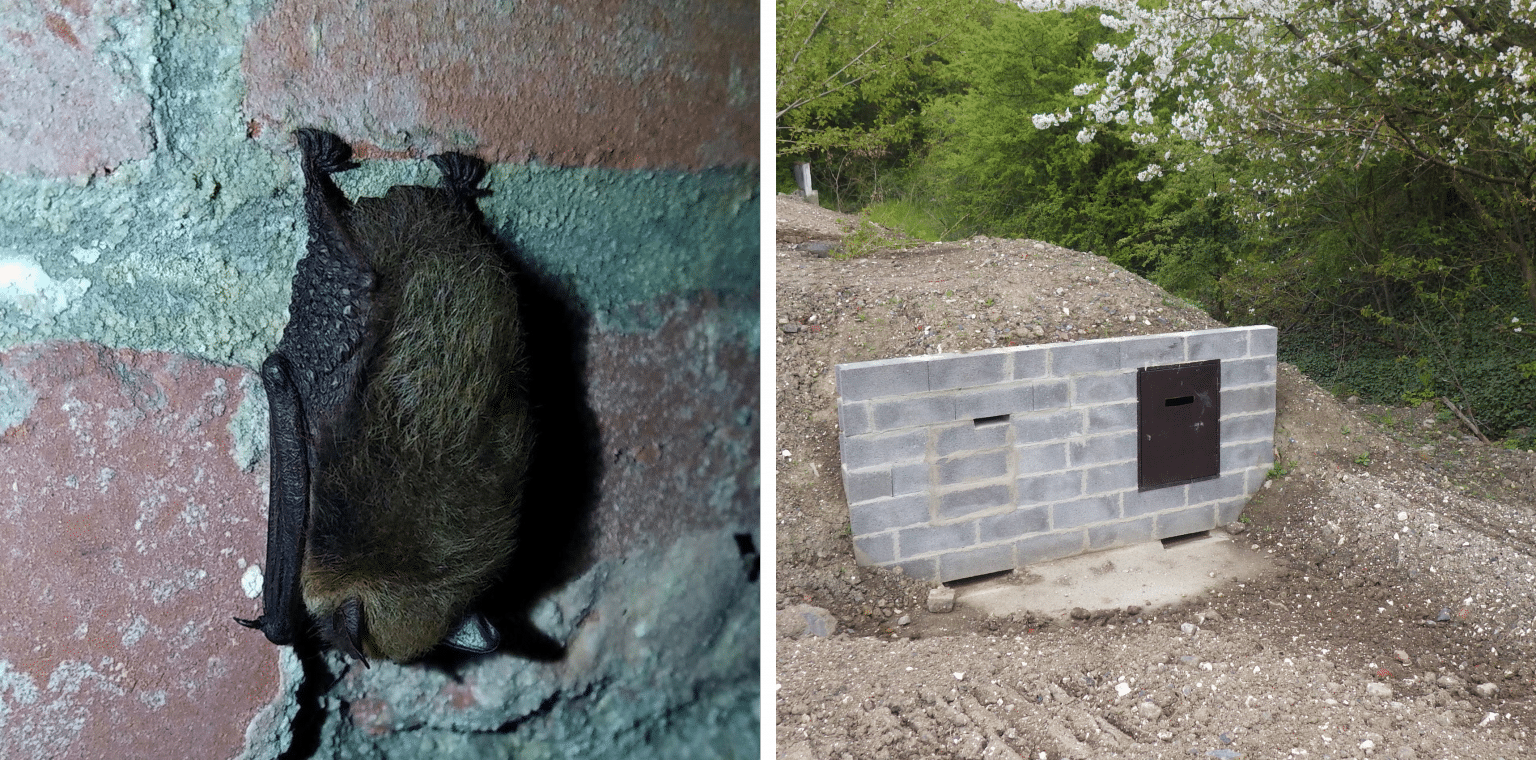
[(1398, 625)]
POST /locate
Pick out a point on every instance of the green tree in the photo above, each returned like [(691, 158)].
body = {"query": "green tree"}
[(997, 166), (852, 77), (992, 166)]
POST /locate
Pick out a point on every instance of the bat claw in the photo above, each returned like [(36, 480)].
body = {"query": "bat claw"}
[(250, 623), (324, 152), (461, 173)]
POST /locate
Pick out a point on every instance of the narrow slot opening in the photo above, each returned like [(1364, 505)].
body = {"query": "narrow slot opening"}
[(995, 420), (1180, 401), (1187, 538), (976, 579)]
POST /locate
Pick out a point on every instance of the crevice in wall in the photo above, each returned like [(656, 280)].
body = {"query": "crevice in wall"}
[(310, 718)]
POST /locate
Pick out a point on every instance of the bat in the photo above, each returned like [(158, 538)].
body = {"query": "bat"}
[(400, 429)]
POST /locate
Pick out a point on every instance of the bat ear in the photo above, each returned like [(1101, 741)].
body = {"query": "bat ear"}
[(474, 634), (347, 629)]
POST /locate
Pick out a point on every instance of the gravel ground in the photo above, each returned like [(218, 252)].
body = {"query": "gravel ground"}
[(1397, 622)]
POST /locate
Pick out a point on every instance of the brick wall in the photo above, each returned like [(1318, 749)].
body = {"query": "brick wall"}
[(957, 465), (151, 214)]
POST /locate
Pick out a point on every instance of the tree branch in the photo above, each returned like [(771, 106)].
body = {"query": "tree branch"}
[(1465, 418), (812, 98), (807, 43)]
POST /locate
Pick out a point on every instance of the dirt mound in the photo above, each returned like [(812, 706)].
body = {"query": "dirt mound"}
[(1399, 625)]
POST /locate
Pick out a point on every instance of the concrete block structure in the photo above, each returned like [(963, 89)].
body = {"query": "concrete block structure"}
[(957, 465)]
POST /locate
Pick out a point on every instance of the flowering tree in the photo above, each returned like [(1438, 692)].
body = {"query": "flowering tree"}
[(1312, 86)]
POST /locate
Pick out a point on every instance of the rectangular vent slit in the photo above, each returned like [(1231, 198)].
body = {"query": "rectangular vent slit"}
[(1180, 401), (1172, 541), (996, 420)]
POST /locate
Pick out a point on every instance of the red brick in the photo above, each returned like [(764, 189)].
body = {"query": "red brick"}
[(668, 84), (63, 110), (667, 401), (127, 526)]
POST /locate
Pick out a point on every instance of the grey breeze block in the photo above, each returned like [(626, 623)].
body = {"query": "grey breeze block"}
[(958, 465)]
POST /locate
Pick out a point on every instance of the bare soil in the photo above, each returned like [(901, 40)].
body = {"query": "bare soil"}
[(1398, 622)]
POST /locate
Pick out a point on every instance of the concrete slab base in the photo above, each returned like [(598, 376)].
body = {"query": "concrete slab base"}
[(1148, 575)]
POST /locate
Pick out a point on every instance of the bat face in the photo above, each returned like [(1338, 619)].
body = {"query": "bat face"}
[(399, 431)]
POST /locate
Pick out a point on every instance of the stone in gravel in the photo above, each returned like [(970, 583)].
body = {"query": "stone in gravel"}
[(1122, 689), (1444, 616), (1378, 689), (904, 620), (805, 620), (819, 248), (1150, 711), (1189, 629), (1401, 656), (791, 328), (1486, 690), (1189, 659), (1078, 613), (1132, 610), (1237, 528), (1449, 682), (941, 599)]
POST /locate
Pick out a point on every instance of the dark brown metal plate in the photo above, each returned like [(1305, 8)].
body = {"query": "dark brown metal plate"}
[(1178, 424)]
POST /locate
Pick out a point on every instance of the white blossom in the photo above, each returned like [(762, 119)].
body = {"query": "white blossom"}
[(1258, 75)]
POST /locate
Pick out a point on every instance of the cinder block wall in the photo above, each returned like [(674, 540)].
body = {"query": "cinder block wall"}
[(936, 487)]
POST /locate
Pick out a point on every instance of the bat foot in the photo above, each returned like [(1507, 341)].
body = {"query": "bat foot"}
[(474, 634), (324, 152), (461, 174)]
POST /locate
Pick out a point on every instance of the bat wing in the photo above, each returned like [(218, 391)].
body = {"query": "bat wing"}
[(288, 508), (312, 378)]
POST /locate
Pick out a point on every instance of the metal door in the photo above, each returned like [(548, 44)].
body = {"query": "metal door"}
[(1178, 420)]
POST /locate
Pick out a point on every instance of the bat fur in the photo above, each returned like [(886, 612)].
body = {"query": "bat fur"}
[(400, 424)]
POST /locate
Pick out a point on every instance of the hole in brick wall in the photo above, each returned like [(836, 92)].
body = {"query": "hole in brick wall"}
[(1180, 401), (1187, 538), (994, 420)]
